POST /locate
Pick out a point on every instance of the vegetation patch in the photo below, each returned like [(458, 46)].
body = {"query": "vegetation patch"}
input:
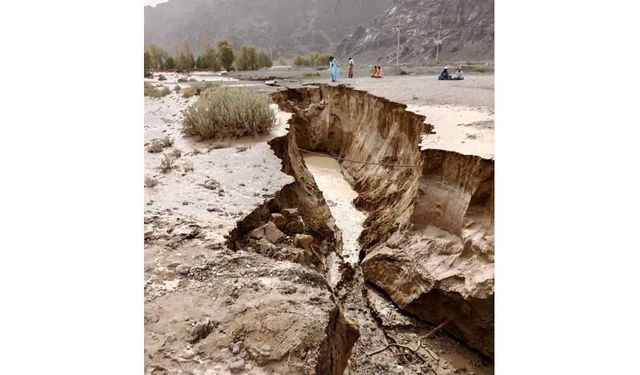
[(155, 91), (227, 112), (314, 59), (150, 182), (159, 144)]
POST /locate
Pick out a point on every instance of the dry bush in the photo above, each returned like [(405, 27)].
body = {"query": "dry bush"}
[(187, 166), (311, 74), (195, 151), (159, 144), (176, 153), (155, 91), (167, 163), (177, 88), (150, 182), (225, 112), (190, 91)]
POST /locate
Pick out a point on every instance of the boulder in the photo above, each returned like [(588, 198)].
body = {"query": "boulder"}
[(303, 241), (290, 213), (272, 233), (294, 226), (161, 77), (279, 220)]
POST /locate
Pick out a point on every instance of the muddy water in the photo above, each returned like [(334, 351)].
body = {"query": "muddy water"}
[(339, 196)]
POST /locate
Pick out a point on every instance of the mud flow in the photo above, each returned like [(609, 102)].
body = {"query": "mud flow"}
[(374, 257)]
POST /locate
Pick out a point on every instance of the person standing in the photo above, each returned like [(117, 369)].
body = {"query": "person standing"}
[(351, 64), (333, 69)]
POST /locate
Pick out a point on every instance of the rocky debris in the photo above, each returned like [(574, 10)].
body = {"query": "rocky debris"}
[(241, 297), (303, 241), (211, 184), (235, 349), (294, 226), (279, 220), (201, 330), (237, 366), (268, 231)]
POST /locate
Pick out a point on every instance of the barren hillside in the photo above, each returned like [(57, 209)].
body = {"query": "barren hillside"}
[(285, 26), (465, 28)]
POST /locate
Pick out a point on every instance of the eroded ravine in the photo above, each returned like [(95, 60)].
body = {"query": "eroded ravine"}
[(424, 254), (453, 239)]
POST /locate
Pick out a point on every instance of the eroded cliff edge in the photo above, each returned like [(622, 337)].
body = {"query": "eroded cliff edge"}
[(428, 239)]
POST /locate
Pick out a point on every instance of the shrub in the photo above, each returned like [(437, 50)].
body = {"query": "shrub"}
[(311, 74), (167, 163), (176, 153), (187, 166), (159, 144), (170, 63), (184, 59), (248, 58), (227, 112), (314, 59), (177, 88), (189, 92), (225, 54), (150, 182), (155, 92), (264, 61)]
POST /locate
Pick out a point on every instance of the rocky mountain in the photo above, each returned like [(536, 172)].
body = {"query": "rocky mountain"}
[(464, 27), (282, 26)]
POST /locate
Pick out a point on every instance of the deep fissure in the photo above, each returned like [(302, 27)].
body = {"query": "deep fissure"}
[(442, 210)]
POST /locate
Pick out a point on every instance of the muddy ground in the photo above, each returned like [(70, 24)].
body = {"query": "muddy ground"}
[(225, 292)]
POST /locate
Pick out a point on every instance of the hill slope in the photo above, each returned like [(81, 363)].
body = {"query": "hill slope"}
[(284, 26), (466, 30)]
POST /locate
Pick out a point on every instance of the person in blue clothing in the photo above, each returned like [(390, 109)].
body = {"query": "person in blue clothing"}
[(333, 69)]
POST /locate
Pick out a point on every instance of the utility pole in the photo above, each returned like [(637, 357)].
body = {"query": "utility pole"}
[(438, 42), (398, 48)]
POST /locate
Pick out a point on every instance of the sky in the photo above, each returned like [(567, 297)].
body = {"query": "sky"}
[(154, 2)]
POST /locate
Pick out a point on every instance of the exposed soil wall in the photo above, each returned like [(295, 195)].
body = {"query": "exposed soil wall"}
[(355, 125), (428, 238)]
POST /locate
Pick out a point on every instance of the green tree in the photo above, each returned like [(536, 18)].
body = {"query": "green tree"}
[(264, 61), (201, 63), (248, 58), (157, 56), (148, 62), (225, 54), (169, 63), (184, 58), (211, 58)]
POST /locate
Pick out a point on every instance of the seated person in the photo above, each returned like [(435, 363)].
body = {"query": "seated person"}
[(458, 75), (377, 72), (444, 75)]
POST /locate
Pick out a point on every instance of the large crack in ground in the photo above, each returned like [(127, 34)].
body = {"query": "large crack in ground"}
[(293, 292), (437, 204)]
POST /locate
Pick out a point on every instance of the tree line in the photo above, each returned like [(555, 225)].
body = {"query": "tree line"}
[(213, 58)]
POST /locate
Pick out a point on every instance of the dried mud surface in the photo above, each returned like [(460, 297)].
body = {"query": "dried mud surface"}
[(245, 270)]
